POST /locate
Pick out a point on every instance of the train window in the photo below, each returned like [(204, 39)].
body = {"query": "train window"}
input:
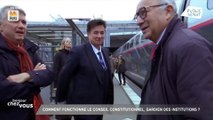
[(206, 13), (128, 46), (131, 44), (204, 25), (125, 46), (179, 4), (210, 4), (137, 39), (142, 37)]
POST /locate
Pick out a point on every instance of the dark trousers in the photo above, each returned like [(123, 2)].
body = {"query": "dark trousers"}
[(123, 76)]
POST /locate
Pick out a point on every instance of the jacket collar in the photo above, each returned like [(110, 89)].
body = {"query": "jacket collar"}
[(169, 30)]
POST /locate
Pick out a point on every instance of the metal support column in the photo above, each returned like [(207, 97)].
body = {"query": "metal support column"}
[(107, 38)]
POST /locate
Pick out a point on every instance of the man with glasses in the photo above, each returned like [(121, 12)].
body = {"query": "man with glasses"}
[(182, 67)]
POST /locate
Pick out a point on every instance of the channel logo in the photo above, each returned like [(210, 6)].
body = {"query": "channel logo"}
[(13, 15)]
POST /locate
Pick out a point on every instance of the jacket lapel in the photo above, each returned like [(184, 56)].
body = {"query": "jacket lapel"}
[(107, 61), (105, 54), (92, 57)]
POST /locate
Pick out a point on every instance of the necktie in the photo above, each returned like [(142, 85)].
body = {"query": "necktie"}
[(101, 61)]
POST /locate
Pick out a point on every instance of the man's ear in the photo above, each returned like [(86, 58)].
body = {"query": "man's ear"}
[(170, 12)]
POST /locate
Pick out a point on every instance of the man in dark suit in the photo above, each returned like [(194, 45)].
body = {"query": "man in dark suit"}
[(86, 77)]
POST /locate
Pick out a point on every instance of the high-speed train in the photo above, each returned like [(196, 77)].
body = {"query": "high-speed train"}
[(138, 51)]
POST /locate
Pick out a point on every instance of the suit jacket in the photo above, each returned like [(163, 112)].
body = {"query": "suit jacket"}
[(82, 80)]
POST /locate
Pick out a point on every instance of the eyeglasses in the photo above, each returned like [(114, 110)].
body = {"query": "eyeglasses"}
[(142, 13)]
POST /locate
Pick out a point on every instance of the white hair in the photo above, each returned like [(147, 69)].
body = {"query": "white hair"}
[(170, 2)]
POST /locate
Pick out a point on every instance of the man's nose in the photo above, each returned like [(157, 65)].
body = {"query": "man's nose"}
[(21, 24), (139, 21), (99, 35)]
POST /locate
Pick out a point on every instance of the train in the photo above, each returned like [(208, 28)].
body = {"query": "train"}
[(138, 51)]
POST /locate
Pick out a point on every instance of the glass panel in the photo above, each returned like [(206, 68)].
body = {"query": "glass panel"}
[(210, 4)]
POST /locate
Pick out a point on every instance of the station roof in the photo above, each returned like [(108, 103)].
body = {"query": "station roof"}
[(54, 32)]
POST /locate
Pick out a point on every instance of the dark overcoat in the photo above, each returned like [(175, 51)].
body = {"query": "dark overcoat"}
[(10, 92), (59, 60), (181, 74)]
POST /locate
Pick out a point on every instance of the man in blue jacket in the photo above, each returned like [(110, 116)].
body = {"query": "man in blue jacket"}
[(21, 71), (182, 67)]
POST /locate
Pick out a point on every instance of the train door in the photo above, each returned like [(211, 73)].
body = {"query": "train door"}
[(204, 24)]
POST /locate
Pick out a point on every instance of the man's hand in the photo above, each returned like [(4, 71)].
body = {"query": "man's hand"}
[(23, 77), (40, 66), (19, 78)]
